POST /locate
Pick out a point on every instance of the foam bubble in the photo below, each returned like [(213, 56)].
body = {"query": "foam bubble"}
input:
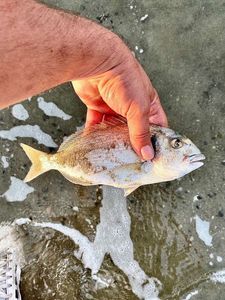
[(219, 259), (142, 19), (190, 295), (202, 229), (51, 109), (22, 221), (5, 162), (19, 112), (218, 276), (32, 131), (18, 190), (113, 238)]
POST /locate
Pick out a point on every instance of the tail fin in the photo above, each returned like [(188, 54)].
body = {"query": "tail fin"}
[(36, 157)]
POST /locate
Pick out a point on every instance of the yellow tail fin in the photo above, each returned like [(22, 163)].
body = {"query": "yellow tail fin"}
[(36, 157)]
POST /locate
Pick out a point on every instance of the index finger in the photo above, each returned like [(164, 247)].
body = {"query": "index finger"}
[(138, 124)]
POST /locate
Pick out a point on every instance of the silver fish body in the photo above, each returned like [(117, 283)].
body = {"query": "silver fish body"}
[(103, 154)]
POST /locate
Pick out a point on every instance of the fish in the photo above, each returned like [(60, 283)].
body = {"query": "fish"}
[(103, 155)]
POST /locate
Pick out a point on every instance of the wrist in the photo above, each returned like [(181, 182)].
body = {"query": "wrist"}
[(99, 50), (80, 47)]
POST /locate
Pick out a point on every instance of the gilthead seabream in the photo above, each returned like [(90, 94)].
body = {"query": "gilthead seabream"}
[(102, 154)]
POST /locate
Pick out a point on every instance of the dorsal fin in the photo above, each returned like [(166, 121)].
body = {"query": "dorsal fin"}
[(108, 122), (113, 122), (68, 141)]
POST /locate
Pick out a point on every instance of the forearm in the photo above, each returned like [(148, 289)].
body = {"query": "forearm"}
[(42, 47)]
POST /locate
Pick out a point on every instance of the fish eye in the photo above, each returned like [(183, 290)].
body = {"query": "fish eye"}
[(176, 143)]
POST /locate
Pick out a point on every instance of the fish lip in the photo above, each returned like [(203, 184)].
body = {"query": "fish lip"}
[(196, 158)]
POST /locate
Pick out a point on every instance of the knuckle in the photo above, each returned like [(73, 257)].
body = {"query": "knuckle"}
[(138, 109), (140, 136)]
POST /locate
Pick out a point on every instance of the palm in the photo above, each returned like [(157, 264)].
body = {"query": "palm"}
[(122, 92), (89, 93)]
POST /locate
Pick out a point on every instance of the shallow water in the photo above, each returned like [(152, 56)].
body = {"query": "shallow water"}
[(161, 220), (167, 244), (164, 249), (183, 53)]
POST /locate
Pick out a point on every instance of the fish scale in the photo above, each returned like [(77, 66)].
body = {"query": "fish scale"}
[(103, 154)]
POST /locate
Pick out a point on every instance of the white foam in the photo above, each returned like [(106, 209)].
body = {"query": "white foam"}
[(189, 296), (219, 258), (102, 282), (142, 19), (195, 198), (18, 190), (5, 162), (22, 221), (19, 112), (202, 229), (88, 221), (32, 131), (75, 208), (51, 109), (218, 276), (113, 238)]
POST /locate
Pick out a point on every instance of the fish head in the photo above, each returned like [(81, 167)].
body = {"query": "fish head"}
[(175, 155)]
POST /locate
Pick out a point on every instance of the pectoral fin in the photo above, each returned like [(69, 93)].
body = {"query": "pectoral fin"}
[(130, 190)]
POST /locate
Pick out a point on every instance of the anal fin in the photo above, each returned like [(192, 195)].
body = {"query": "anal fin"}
[(75, 180)]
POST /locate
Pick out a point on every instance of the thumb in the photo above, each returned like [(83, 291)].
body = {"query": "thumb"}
[(138, 124)]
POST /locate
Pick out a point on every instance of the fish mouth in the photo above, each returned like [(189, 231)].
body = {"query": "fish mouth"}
[(196, 158)]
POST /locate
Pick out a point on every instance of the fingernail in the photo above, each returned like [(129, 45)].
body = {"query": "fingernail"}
[(147, 152)]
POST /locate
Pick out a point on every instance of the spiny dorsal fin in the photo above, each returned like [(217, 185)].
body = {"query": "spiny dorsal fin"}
[(81, 133), (105, 124), (69, 140), (114, 120)]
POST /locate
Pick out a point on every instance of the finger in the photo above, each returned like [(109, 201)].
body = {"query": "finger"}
[(93, 117), (157, 114), (153, 95), (159, 118), (138, 124)]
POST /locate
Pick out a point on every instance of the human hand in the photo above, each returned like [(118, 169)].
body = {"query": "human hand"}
[(63, 47), (124, 90)]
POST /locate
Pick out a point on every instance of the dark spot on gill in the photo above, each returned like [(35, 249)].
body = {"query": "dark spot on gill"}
[(126, 144), (154, 142)]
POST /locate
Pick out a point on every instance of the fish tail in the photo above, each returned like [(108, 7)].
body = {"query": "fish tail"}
[(36, 157)]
